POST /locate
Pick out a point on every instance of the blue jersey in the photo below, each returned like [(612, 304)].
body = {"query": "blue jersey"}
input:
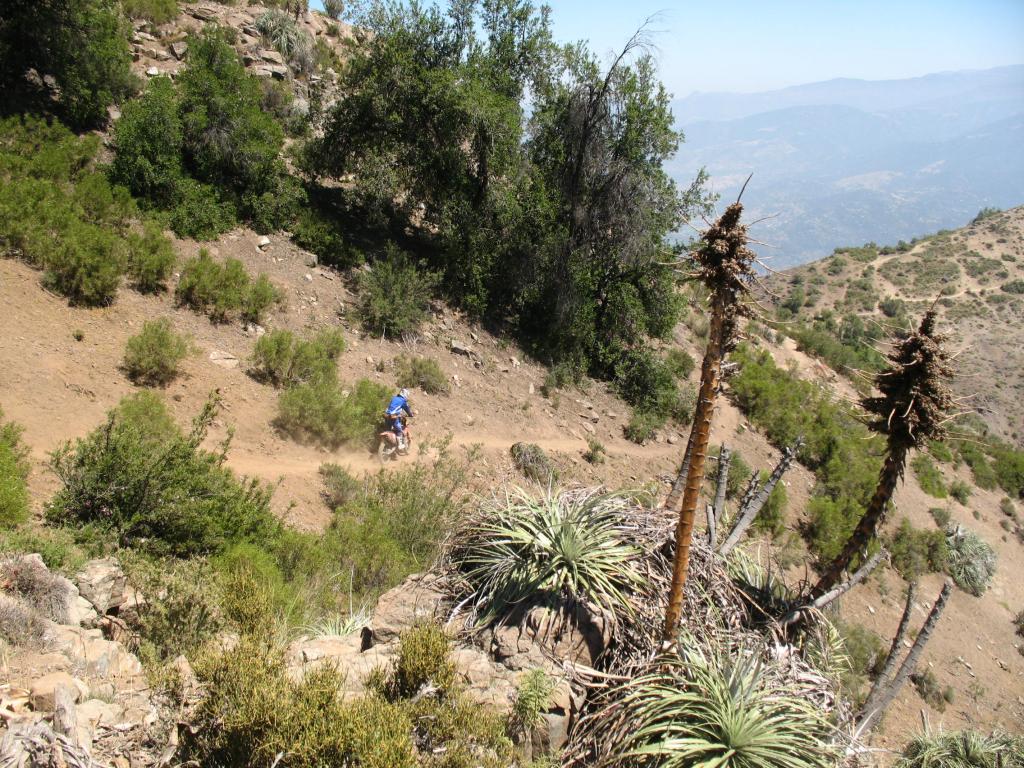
[(397, 405)]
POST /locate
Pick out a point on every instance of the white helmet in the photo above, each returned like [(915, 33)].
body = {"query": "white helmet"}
[(403, 392)]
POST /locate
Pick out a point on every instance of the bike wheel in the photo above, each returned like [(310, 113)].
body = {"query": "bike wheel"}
[(383, 451)]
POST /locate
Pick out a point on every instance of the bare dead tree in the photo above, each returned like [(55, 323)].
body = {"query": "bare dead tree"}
[(884, 677), (823, 601), (712, 526), (868, 718), (724, 461), (754, 501)]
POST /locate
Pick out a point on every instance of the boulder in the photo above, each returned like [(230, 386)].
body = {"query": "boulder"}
[(95, 712), (43, 691), (263, 243), (417, 598), (202, 13), (103, 583), (88, 650), (458, 348), (179, 49), (577, 637), (345, 653), (152, 72), (223, 359), (270, 56)]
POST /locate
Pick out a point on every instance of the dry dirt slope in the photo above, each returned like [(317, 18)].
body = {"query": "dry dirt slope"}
[(60, 388)]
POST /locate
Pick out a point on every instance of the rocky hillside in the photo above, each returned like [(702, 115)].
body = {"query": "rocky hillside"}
[(975, 278)]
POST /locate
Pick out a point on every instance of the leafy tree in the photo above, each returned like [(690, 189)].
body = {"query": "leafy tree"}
[(81, 44)]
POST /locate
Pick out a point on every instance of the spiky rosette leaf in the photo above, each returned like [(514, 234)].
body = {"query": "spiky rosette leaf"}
[(720, 709), (566, 546), (971, 561), (963, 749), (914, 400)]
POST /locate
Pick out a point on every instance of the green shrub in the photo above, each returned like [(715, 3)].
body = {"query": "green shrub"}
[(960, 491), (394, 295), (320, 235), (340, 487), (151, 259), (680, 362), (865, 653), (14, 470), (199, 212), (941, 516), (140, 478), (423, 659), (220, 290), (642, 426), (929, 689), (253, 711), (916, 552), (148, 144), (395, 523), (333, 8), (940, 451), (1007, 508), (928, 476), (86, 265), (1014, 286), (531, 460), (321, 412), (422, 372), (533, 697), (57, 546), (283, 360), (156, 11), (152, 357), (1008, 467), (649, 385), (283, 33), (595, 452)]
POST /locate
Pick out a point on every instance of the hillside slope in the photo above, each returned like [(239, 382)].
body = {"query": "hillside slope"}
[(975, 278)]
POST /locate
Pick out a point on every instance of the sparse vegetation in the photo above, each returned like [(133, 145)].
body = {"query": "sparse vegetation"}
[(530, 459), (141, 480), (152, 357), (322, 412), (14, 469), (915, 551), (223, 289), (421, 372), (282, 359), (394, 296), (929, 689), (595, 452), (960, 491), (963, 749)]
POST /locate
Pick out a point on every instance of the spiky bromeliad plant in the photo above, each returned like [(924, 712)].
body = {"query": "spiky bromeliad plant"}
[(971, 561), (911, 408), (963, 749), (723, 263), (565, 547), (722, 710)]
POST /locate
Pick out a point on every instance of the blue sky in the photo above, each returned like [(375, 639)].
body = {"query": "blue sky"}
[(756, 45)]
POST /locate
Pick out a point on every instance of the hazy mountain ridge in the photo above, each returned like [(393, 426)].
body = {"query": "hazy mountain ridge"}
[(830, 170)]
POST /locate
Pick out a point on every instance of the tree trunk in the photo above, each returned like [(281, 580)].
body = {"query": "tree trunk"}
[(675, 496), (697, 447), (886, 697), (874, 696), (866, 528), (754, 503), (724, 460), (712, 527), (836, 592)]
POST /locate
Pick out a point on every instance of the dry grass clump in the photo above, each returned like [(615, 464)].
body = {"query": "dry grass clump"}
[(29, 579), (531, 460), (963, 749), (19, 624)]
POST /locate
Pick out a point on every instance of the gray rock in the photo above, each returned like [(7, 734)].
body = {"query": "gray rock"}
[(103, 583), (263, 243), (458, 348), (271, 56), (179, 49), (415, 599), (152, 72), (43, 690)]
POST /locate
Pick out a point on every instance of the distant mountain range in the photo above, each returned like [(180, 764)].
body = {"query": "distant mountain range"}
[(844, 162)]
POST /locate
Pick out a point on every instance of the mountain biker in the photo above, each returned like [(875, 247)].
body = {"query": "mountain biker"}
[(398, 406)]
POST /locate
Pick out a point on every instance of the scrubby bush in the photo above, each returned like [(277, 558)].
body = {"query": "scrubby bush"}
[(1008, 466), (680, 362), (642, 426), (422, 372), (334, 8), (963, 749), (14, 469), (981, 469), (321, 412), (915, 552), (394, 295), (960, 491), (156, 11), (221, 289), (928, 476), (40, 590), (772, 517), (649, 385), (940, 451), (151, 259), (595, 452), (152, 358), (141, 479), (865, 654), (86, 265), (929, 689), (423, 659), (283, 33), (148, 140), (283, 360), (340, 487), (19, 624), (941, 516), (531, 460), (199, 212)]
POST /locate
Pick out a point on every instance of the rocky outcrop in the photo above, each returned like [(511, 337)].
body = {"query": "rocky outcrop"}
[(490, 667)]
